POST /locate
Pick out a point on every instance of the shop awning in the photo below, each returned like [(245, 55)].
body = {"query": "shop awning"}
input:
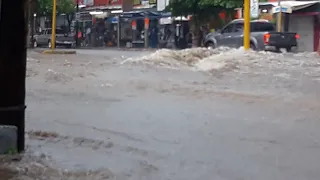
[(293, 5), (140, 14)]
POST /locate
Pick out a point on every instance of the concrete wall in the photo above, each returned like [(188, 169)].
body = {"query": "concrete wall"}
[(304, 26)]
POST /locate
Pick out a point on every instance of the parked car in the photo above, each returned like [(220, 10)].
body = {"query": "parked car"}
[(263, 36), (62, 38)]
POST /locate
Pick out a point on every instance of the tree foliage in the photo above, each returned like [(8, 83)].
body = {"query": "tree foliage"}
[(44, 7), (66, 7), (202, 11)]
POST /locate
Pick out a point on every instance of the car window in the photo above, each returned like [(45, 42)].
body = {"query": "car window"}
[(228, 29), (262, 27), (59, 31), (238, 27)]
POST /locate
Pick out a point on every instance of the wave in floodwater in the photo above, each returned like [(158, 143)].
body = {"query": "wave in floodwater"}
[(229, 59)]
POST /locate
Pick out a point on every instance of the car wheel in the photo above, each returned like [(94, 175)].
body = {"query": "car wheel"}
[(289, 49), (35, 44), (49, 44), (210, 45), (253, 47)]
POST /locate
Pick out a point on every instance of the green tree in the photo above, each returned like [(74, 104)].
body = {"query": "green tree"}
[(202, 11), (44, 7), (66, 7)]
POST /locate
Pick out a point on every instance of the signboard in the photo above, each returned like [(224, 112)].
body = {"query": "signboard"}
[(134, 25), (146, 23), (145, 2), (283, 9), (165, 20), (78, 16), (88, 2), (161, 4), (152, 1), (127, 5), (254, 8), (115, 2), (136, 2)]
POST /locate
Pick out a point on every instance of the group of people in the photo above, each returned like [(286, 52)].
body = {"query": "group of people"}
[(84, 36), (96, 36)]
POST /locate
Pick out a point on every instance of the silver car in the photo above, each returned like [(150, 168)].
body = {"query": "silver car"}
[(62, 38)]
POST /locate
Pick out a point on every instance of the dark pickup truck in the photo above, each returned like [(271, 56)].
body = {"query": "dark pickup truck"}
[(263, 36)]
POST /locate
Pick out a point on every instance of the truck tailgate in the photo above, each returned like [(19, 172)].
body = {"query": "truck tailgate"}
[(282, 39), (63, 38)]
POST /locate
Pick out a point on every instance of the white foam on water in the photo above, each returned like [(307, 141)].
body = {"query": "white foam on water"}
[(225, 59)]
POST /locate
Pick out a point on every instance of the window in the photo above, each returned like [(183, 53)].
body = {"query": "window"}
[(228, 29), (238, 27), (59, 31), (262, 27)]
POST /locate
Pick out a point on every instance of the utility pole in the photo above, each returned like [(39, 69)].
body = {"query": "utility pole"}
[(13, 45), (118, 31), (77, 23), (279, 17), (246, 32), (53, 28)]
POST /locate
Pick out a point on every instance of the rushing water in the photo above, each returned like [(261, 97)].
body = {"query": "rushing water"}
[(122, 115)]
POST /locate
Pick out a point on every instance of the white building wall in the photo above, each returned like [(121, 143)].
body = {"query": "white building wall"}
[(304, 26), (162, 4)]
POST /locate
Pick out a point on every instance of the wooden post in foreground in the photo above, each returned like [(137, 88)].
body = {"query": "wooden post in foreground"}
[(13, 31)]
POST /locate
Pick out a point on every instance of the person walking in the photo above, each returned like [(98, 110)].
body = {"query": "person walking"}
[(88, 36), (154, 37)]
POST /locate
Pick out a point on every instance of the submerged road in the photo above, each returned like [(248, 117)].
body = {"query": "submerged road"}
[(143, 122)]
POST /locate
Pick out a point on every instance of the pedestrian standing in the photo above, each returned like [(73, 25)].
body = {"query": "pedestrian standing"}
[(88, 35)]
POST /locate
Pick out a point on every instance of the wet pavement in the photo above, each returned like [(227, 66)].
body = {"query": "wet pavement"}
[(180, 115)]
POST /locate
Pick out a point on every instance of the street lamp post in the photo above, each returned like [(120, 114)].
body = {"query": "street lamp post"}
[(33, 28), (77, 23)]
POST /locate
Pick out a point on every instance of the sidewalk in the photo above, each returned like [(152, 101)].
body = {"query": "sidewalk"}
[(121, 48), (99, 48)]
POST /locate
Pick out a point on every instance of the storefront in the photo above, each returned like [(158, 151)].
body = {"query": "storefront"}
[(133, 26), (175, 32)]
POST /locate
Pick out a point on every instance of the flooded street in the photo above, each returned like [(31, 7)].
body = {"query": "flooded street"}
[(196, 114)]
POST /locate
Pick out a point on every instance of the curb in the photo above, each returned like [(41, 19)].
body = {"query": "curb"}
[(58, 52), (119, 49)]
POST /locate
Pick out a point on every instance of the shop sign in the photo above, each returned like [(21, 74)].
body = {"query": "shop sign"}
[(283, 9), (152, 1), (136, 2), (254, 8), (115, 2), (88, 2), (146, 23), (127, 5), (134, 25)]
